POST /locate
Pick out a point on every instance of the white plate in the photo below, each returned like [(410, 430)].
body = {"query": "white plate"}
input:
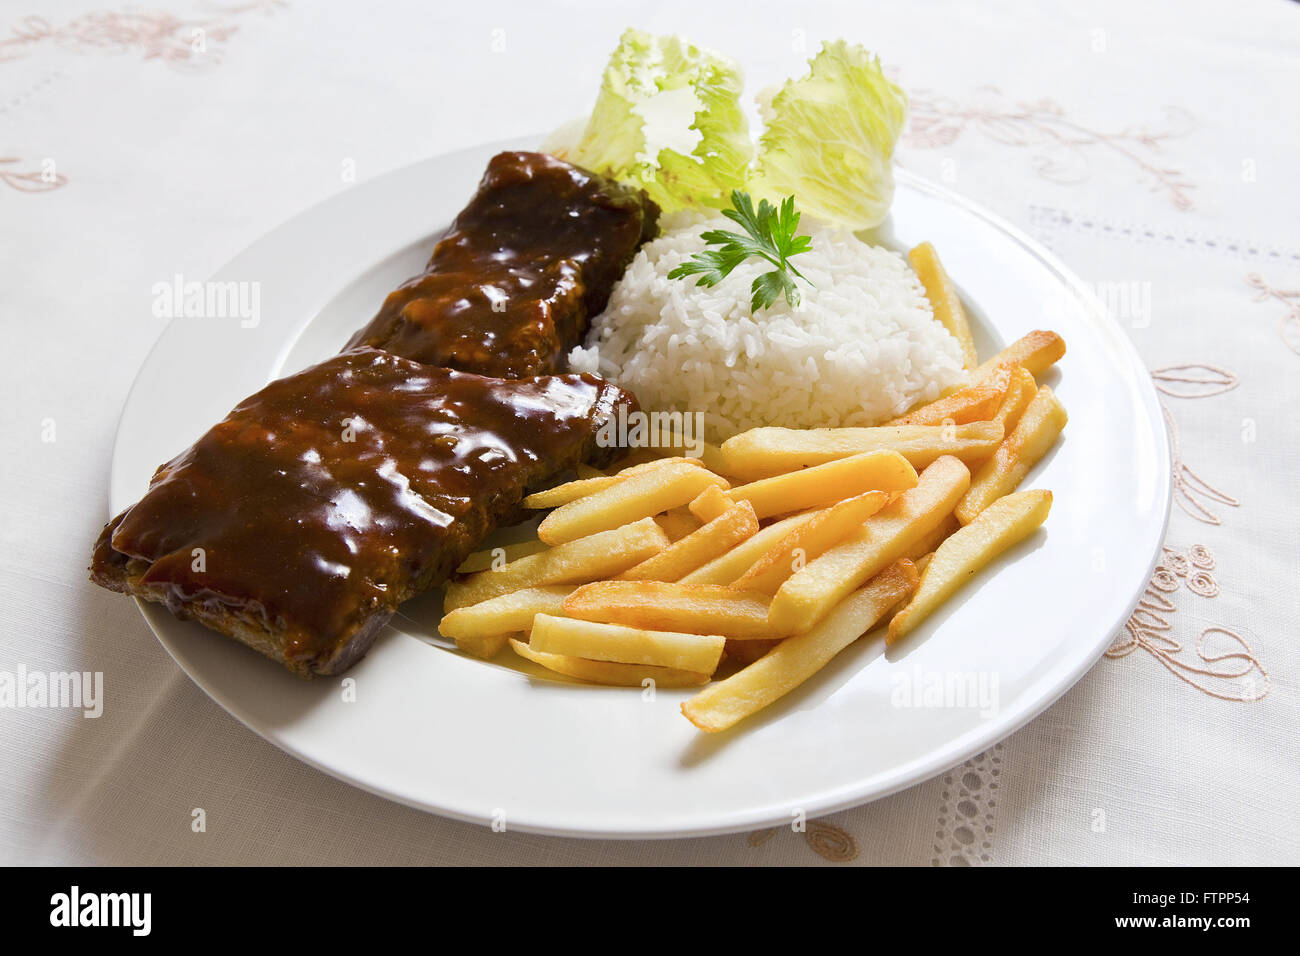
[(484, 741)]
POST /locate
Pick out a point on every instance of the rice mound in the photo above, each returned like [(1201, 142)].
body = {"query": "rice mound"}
[(862, 346)]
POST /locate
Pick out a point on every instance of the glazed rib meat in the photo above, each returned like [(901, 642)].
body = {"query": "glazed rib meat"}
[(511, 288), (300, 522)]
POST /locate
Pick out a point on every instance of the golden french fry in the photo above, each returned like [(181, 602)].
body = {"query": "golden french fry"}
[(976, 402), (677, 523), (636, 496), (928, 542), (1020, 392), (698, 548), (596, 556), (696, 450), (999, 526), (698, 653), (822, 485), (808, 595), (689, 608), (638, 457), (826, 528), (504, 614), (764, 452), (1037, 352), (944, 299), (586, 471), (795, 659), (570, 491), (728, 567), (923, 562), (496, 557), (608, 672), (483, 646), (710, 503), (1036, 432), (590, 484)]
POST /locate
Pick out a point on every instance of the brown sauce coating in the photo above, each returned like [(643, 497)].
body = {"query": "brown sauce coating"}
[(511, 288), (332, 495)]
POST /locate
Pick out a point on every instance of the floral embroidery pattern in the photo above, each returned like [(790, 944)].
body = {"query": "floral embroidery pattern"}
[(965, 828), (1193, 494), (29, 181), (1288, 327), (1223, 666), (1194, 381), (829, 842), (183, 42), (1063, 148)]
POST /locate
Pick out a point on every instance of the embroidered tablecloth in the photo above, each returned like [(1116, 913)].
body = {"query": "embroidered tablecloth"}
[(1153, 147)]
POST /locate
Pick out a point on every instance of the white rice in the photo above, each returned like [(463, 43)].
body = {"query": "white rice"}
[(862, 346)]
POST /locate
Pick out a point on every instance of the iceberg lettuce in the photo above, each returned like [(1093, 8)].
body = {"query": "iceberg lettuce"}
[(668, 116), (830, 138)]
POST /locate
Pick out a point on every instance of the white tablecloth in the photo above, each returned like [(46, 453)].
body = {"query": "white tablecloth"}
[(1153, 146)]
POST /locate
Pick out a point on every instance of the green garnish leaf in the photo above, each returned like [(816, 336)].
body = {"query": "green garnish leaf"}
[(770, 233)]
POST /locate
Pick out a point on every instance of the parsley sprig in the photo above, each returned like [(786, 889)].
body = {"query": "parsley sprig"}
[(771, 236)]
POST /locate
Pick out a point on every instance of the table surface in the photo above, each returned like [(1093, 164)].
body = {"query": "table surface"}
[(1151, 146)]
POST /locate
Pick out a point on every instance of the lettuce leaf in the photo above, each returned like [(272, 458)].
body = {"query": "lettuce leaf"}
[(668, 116), (830, 138)]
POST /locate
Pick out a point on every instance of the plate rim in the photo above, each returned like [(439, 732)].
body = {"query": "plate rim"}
[(842, 798)]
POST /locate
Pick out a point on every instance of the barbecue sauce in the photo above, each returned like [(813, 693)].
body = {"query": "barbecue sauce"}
[(510, 289), (336, 493)]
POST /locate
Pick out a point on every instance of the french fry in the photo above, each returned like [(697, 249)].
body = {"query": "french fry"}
[(764, 452), (1035, 433), (823, 484), (826, 528), (586, 471), (974, 403), (698, 548), (638, 468), (928, 542), (636, 496), (734, 563), (1002, 524), (590, 484), (1036, 352), (710, 503), (1020, 392), (596, 556), (678, 523), (808, 595), (483, 646), (698, 653), (636, 457), (608, 672), (696, 450), (496, 557), (944, 299), (504, 614), (794, 660), (688, 608), (570, 491)]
